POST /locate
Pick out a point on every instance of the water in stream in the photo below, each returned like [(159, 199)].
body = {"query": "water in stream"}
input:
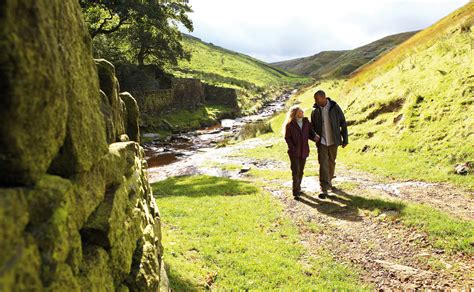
[(166, 151)]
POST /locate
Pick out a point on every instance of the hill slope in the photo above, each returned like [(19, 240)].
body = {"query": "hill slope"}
[(309, 65), (338, 64), (410, 112), (255, 79)]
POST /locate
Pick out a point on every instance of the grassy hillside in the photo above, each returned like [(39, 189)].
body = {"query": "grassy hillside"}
[(410, 113), (309, 65), (338, 64), (255, 79)]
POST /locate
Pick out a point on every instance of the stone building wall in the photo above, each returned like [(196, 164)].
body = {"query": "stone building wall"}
[(221, 95)]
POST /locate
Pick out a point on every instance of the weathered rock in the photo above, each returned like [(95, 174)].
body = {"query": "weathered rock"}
[(463, 169), (125, 215), (85, 139), (145, 260), (106, 110), (19, 254), (164, 281), (124, 138), (22, 271), (33, 92), (72, 209), (221, 95), (89, 190), (115, 226), (52, 223), (64, 280), (95, 271), (132, 114), (114, 105)]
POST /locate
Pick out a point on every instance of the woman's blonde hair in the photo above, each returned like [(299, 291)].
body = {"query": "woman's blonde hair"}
[(290, 116)]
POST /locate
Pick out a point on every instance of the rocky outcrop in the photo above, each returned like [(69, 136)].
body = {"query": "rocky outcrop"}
[(76, 209)]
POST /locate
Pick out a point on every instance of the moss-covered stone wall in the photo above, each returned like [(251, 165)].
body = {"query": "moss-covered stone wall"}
[(76, 209), (158, 93)]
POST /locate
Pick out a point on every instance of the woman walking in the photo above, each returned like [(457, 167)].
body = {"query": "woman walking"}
[(297, 130)]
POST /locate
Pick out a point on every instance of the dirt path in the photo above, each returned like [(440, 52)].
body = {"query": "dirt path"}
[(389, 254)]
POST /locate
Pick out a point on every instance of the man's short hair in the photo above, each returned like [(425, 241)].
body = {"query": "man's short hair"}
[(320, 93)]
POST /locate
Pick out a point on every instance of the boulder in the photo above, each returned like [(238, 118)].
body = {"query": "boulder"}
[(95, 271), (85, 140), (51, 206), (33, 91), (115, 108), (132, 114), (22, 271), (106, 110)]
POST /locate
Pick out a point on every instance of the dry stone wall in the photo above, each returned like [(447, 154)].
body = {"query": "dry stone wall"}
[(157, 92), (76, 209)]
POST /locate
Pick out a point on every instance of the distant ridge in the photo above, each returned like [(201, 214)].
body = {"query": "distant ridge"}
[(340, 64)]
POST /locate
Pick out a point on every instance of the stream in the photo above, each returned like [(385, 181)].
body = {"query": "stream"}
[(161, 153)]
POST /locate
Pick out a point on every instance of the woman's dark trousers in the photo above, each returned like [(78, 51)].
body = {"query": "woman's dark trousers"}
[(297, 168)]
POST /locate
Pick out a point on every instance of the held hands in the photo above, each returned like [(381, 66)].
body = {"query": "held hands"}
[(317, 138)]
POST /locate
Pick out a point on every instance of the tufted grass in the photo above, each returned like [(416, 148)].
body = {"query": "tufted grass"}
[(228, 234)]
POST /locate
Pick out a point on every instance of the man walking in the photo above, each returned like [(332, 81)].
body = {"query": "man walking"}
[(328, 121)]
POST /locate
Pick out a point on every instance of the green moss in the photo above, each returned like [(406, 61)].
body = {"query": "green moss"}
[(95, 271), (13, 220), (85, 140), (34, 104), (132, 128), (52, 224), (64, 280), (22, 271)]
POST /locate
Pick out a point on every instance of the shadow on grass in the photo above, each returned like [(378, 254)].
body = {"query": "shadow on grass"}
[(179, 284), (200, 186), (347, 205)]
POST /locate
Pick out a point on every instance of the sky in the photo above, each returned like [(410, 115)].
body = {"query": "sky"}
[(277, 30)]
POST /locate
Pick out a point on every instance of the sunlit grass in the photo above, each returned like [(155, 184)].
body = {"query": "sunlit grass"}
[(455, 21), (256, 82), (227, 234)]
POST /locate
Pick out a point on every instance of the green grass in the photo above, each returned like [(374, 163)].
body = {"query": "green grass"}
[(431, 130), (185, 120), (228, 234), (240, 70), (411, 111), (444, 231), (255, 80), (413, 121), (458, 21)]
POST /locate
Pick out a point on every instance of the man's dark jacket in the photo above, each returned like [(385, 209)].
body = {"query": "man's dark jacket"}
[(338, 122), (297, 138)]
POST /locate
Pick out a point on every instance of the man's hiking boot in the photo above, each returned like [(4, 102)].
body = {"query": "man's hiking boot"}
[(322, 196)]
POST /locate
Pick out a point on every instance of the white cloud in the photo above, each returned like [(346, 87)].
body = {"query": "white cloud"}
[(273, 30)]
